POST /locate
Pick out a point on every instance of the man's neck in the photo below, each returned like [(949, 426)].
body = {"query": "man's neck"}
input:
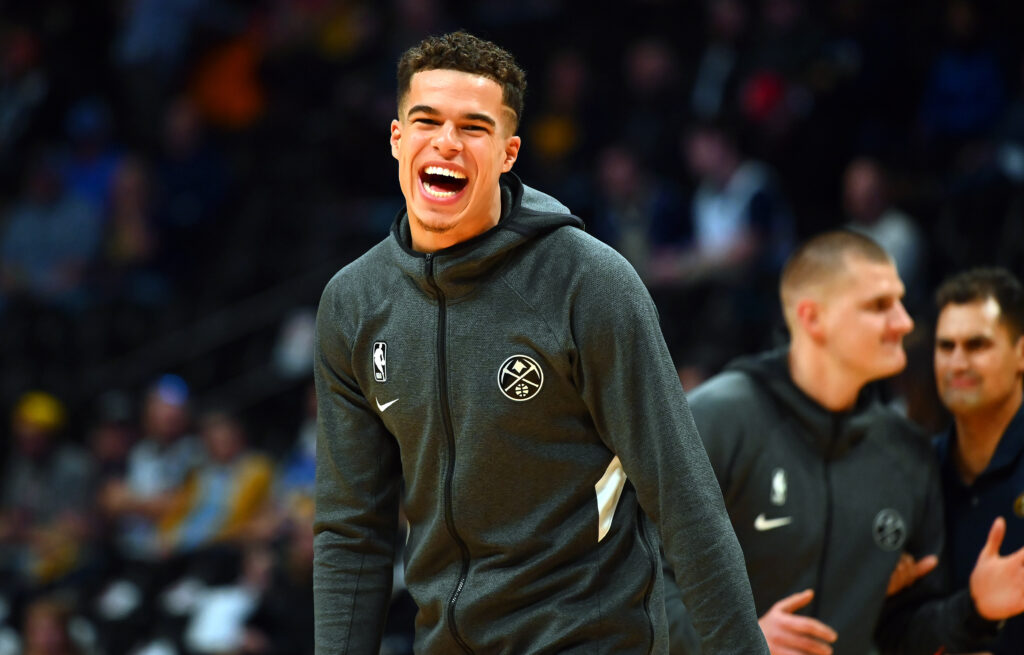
[(978, 435), (829, 386), (432, 240)]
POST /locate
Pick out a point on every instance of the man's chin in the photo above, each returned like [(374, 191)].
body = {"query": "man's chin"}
[(960, 402), (893, 366), (434, 226), (437, 220)]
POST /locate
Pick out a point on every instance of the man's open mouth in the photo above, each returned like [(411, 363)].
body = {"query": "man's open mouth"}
[(441, 183)]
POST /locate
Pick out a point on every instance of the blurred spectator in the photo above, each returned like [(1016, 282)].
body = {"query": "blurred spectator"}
[(93, 159), (870, 212), (226, 86), (223, 497), (131, 247), (49, 240), (151, 52), (786, 46), (158, 466), (47, 629), (557, 131), (721, 61), (740, 222), (46, 521), (965, 90), (203, 529), (137, 566), (635, 212), (191, 186), (561, 130), (739, 232), (110, 440)]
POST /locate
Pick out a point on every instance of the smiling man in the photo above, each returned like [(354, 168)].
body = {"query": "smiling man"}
[(827, 487), (979, 366), (502, 374)]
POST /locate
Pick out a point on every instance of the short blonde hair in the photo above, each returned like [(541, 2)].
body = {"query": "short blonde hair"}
[(822, 259)]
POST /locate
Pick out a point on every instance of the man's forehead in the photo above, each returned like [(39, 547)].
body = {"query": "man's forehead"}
[(442, 88), (455, 82), (979, 317), (866, 275)]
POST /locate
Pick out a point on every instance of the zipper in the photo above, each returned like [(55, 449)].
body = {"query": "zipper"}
[(446, 415), (655, 563), (812, 610)]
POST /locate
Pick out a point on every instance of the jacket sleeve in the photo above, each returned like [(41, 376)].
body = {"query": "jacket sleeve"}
[(358, 482), (629, 382), (925, 617)]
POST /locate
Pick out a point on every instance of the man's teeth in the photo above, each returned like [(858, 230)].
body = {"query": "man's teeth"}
[(438, 170), (437, 193)]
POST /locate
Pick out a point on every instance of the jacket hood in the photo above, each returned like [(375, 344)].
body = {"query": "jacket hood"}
[(526, 214), (830, 433)]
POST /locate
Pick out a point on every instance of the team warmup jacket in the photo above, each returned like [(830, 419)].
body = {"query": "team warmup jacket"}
[(827, 501), (519, 384)]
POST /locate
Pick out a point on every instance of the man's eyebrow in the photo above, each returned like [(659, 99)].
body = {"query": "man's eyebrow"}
[(472, 116), (422, 109), (483, 118)]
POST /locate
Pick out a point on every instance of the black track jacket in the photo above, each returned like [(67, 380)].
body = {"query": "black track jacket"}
[(520, 385), (827, 501)]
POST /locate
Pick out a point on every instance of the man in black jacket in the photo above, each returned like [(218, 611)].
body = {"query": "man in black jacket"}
[(509, 369), (826, 487), (979, 370)]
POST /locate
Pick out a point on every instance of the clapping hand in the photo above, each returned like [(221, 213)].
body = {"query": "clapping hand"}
[(791, 634), (997, 582)]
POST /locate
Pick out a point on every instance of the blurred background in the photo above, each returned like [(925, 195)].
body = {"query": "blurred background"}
[(180, 178)]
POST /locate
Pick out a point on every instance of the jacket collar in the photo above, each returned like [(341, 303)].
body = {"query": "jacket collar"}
[(1007, 455), (830, 433), (457, 270)]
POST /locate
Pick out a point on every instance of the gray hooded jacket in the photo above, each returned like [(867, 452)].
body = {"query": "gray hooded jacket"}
[(520, 385), (828, 501)]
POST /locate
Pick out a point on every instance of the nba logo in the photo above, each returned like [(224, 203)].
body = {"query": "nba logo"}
[(380, 361)]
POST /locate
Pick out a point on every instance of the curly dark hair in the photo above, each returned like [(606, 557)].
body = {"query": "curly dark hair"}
[(464, 52), (979, 284)]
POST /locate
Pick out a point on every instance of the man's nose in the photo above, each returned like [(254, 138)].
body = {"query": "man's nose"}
[(447, 139), (958, 358), (901, 320)]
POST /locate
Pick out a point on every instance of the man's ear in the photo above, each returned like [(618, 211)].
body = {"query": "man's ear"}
[(809, 317), (396, 137), (511, 153), (1018, 352)]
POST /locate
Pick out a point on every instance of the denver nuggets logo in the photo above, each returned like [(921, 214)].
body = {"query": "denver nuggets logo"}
[(520, 378), (890, 531)]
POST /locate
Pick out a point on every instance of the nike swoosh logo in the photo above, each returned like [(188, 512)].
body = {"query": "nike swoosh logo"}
[(761, 523), (384, 407)]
